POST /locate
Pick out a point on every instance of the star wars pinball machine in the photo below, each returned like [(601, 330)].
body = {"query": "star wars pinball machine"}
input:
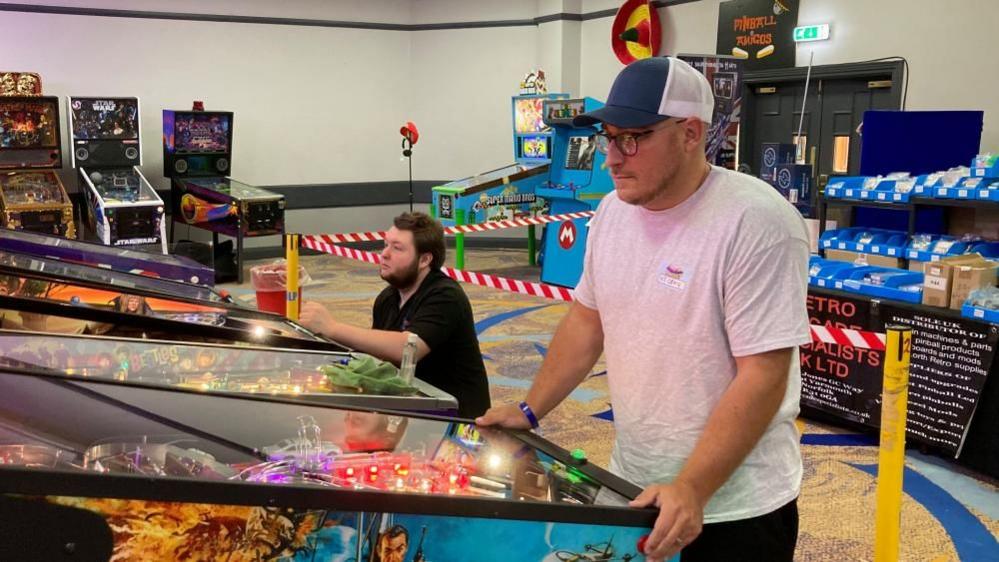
[(105, 470), (120, 206)]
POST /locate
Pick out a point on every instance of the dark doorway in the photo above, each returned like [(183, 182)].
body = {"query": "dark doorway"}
[(838, 96)]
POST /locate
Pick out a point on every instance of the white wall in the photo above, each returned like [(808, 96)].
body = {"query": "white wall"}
[(949, 46), (461, 85), (323, 105), (312, 104), (381, 11)]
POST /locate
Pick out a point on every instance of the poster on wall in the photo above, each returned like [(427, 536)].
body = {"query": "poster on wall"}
[(760, 32), (725, 76)]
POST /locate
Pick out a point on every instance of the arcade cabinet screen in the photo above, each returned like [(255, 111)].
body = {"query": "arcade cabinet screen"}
[(29, 124), (579, 156), (534, 146), (202, 132), (530, 115), (105, 119), (563, 111)]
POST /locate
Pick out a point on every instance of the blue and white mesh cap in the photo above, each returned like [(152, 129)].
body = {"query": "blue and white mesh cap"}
[(650, 90)]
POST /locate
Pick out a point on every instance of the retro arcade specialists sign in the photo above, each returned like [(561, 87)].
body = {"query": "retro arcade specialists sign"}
[(760, 32)]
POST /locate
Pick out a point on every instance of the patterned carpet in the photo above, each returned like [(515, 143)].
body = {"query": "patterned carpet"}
[(947, 514)]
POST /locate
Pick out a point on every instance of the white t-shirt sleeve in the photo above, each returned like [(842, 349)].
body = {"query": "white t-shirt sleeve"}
[(585, 292), (765, 296)]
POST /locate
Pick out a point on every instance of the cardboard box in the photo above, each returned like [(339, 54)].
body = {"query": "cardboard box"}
[(939, 275), (969, 277), (772, 154), (872, 259)]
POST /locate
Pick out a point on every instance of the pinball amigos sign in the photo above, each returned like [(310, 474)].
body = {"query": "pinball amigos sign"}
[(760, 32)]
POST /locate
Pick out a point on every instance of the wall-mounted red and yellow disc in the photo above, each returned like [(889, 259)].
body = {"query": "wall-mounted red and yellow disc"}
[(636, 33)]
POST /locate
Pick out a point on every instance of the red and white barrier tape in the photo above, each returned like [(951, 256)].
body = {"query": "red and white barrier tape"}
[(824, 334), (851, 338), (481, 227), (514, 223), (543, 290)]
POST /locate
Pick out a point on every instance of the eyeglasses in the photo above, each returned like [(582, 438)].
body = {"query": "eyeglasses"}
[(627, 143)]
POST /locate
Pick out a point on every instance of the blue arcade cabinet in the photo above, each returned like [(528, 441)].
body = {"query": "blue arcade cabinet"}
[(507, 192), (578, 180)]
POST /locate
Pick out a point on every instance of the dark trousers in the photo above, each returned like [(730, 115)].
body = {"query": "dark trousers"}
[(767, 538)]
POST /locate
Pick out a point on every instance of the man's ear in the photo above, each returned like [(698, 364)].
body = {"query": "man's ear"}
[(425, 259), (695, 132)]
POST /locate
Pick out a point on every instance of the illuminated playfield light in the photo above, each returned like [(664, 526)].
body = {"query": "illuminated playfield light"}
[(806, 33)]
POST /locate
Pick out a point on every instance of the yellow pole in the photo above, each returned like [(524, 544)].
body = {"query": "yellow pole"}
[(891, 453), (291, 295)]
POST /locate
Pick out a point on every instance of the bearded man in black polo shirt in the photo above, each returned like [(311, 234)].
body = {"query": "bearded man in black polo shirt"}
[(420, 300)]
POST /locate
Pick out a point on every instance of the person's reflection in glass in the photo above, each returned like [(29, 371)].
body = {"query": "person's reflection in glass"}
[(371, 431)]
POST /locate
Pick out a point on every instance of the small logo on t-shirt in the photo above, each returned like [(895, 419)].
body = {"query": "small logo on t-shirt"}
[(673, 276)]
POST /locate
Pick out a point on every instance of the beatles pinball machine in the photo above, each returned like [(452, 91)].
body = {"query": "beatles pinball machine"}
[(107, 470), (121, 207), (32, 196)]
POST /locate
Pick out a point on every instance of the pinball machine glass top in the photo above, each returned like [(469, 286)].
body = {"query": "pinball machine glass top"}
[(117, 429)]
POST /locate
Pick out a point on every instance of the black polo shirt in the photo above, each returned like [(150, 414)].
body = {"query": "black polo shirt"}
[(440, 314)]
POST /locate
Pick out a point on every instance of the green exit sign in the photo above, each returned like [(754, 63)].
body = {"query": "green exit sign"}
[(811, 33)]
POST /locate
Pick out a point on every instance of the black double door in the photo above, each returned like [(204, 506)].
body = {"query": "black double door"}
[(834, 106)]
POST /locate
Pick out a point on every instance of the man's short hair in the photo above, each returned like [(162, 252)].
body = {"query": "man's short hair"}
[(428, 235), (393, 532)]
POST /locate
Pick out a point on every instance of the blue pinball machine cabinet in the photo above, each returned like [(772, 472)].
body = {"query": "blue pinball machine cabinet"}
[(508, 192), (578, 181)]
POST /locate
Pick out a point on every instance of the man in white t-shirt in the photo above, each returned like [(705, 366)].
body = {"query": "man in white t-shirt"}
[(694, 287)]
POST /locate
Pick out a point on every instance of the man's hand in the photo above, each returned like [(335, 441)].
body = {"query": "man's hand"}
[(507, 415), (317, 318), (681, 516)]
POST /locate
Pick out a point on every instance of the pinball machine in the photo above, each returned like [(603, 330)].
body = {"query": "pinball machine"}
[(46, 295), (197, 157), (121, 207), (104, 469), (32, 196), (123, 260)]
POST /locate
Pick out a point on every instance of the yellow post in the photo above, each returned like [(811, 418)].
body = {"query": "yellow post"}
[(891, 453), (291, 292)]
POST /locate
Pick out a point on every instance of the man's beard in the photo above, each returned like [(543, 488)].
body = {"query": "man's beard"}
[(404, 279)]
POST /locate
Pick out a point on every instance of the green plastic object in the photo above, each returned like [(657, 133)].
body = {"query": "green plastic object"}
[(367, 375), (578, 454)]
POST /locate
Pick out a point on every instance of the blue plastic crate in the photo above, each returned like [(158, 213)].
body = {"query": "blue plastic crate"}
[(889, 243), (963, 189), (925, 184), (935, 252), (891, 191), (846, 187), (840, 238), (977, 313), (884, 282), (828, 273), (988, 190)]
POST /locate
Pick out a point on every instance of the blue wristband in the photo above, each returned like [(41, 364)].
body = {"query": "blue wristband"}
[(529, 414)]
